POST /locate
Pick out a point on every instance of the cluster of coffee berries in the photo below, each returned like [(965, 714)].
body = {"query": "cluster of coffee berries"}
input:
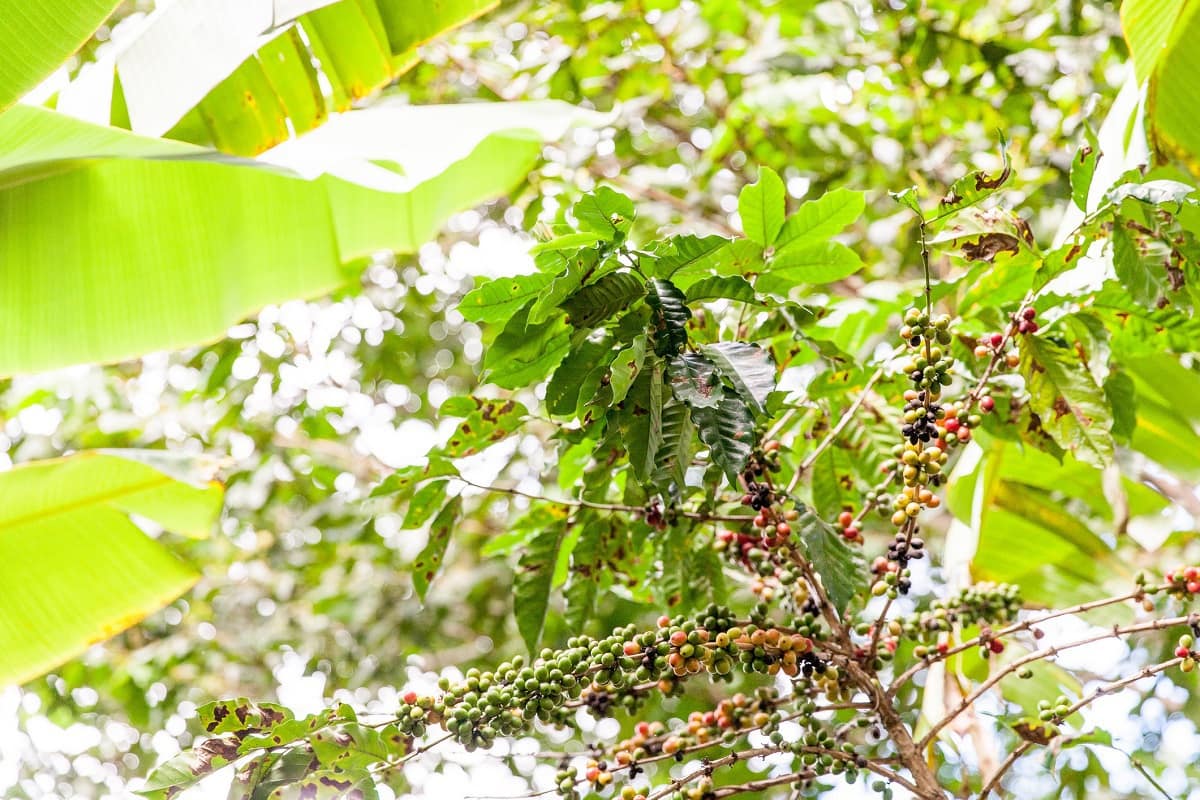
[(983, 604), (850, 530), (763, 461), (1054, 712), (1184, 651), (1184, 581), (993, 344), (920, 417), (891, 577), (928, 368), (956, 427)]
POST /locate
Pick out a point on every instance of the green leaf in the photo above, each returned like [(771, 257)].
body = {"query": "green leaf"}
[(677, 448), (244, 89), (693, 380), (1122, 399), (762, 207), (571, 241), (74, 560), (748, 367), (532, 583), (688, 254), (641, 423), (212, 219), (425, 502), (37, 39), (1067, 400), (670, 316), (807, 263), (909, 198), (728, 432), (626, 367), (565, 392), (581, 589), (498, 299), (523, 353), (404, 480), (817, 220), (429, 561), (572, 271), (1083, 167), (840, 566), (828, 493), (1138, 266), (487, 422), (354, 746), (731, 287), (606, 212), (1162, 36), (610, 295)]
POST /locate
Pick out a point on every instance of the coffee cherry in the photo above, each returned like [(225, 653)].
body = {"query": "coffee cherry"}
[(845, 519), (986, 403)]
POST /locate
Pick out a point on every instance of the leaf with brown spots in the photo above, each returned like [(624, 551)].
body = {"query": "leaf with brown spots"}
[(1067, 400), (975, 187), (990, 245), (485, 424), (429, 562)]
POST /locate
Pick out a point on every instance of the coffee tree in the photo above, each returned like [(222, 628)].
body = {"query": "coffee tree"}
[(791, 547), (765, 473)]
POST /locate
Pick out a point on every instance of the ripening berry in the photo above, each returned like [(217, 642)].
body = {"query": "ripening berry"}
[(1182, 651), (783, 529), (899, 518), (791, 515), (845, 519), (981, 351), (664, 621), (1193, 586), (996, 646), (986, 403), (410, 697), (760, 521), (1012, 360)]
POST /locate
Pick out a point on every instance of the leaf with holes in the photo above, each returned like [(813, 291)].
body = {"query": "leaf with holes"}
[(429, 561), (1070, 405), (748, 367), (728, 432)]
